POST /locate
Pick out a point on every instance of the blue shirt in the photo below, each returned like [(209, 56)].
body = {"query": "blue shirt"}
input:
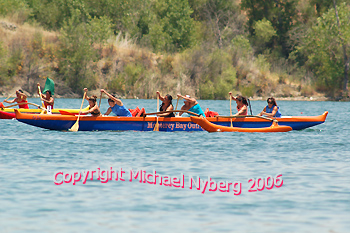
[(197, 109), (121, 111), (269, 110)]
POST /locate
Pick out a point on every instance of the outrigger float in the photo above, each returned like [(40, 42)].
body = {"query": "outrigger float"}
[(168, 124), (9, 113)]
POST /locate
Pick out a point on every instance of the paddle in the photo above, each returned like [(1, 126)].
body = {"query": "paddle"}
[(42, 101), (231, 109), (1, 103), (99, 103), (156, 126), (75, 127), (12, 105), (177, 102), (161, 112), (243, 116)]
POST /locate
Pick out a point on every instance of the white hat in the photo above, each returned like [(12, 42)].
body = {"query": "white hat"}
[(188, 96)]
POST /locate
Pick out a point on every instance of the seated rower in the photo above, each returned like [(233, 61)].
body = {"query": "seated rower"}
[(271, 110), (93, 107), (242, 105), (116, 106), (167, 105), (47, 99), (21, 99), (191, 105)]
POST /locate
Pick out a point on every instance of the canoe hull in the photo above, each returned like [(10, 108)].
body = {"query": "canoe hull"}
[(9, 113), (89, 123)]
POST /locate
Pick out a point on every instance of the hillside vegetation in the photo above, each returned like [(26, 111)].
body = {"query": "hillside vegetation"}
[(205, 48)]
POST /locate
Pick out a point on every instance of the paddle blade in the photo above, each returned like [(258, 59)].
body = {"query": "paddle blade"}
[(156, 127), (49, 86), (75, 127)]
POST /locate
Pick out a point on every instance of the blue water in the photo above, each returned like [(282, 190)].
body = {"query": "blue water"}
[(314, 163)]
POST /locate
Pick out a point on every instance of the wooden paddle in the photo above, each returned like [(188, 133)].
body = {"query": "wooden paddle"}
[(244, 116), (156, 126), (1, 103), (75, 127), (161, 112), (99, 103), (42, 101), (177, 102), (12, 105)]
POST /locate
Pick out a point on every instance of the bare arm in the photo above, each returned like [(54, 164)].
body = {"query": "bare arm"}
[(50, 101), (262, 112), (117, 101), (160, 97), (109, 110), (231, 96), (10, 101), (170, 108), (274, 111), (90, 110), (190, 100), (242, 111)]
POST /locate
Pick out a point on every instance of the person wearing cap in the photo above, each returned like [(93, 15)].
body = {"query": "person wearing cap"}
[(191, 105), (167, 105), (116, 106), (242, 104), (21, 99), (47, 98)]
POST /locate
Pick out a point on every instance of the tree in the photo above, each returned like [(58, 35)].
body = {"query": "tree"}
[(223, 20), (326, 45), (170, 26), (281, 13)]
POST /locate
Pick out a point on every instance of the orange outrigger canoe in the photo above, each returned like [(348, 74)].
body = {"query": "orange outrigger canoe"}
[(210, 127), (168, 124)]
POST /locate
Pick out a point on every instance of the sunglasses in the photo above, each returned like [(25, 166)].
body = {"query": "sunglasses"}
[(269, 102)]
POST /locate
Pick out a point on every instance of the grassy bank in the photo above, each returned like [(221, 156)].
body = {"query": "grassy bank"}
[(29, 54)]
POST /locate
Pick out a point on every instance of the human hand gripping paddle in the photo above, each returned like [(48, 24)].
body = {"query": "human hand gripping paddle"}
[(42, 102), (75, 127), (156, 126)]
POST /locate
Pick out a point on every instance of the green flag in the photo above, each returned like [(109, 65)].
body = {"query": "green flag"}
[(49, 86)]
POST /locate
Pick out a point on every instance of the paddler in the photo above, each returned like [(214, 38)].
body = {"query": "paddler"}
[(167, 105), (242, 104), (21, 99), (191, 105), (271, 109), (93, 107), (116, 106), (47, 98)]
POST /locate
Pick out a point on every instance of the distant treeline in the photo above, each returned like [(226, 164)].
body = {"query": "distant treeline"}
[(202, 47)]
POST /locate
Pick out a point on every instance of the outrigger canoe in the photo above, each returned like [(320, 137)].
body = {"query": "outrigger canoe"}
[(9, 113), (210, 127), (115, 123)]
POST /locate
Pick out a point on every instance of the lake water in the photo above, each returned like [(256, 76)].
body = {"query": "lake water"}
[(314, 164)]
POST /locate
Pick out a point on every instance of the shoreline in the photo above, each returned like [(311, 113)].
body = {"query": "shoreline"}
[(298, 98)]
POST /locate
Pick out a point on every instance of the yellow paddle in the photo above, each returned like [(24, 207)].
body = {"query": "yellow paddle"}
[(75, 127), (156, 126), (231, 109)]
